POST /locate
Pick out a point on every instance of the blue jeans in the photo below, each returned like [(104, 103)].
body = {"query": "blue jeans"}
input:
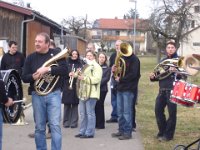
[(87, 117), (1, 128), (114, 103), (45, 108), (124, 110)]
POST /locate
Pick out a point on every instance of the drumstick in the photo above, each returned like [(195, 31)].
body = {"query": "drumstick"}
[(18, 101)]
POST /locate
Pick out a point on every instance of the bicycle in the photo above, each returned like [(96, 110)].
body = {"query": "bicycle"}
[(187, 147)]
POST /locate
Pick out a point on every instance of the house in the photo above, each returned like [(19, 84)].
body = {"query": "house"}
[(23, 24), (107, 31), (190, 44)]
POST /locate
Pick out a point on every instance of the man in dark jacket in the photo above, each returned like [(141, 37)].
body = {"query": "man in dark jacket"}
[(46, 103), (126, 85), (13, 59), (166, 127)]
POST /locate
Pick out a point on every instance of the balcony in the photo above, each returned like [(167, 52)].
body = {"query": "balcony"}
[(138, 38)]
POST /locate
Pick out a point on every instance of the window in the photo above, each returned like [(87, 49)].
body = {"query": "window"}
[(192, 24), (117, 33), (196, 9), (196, 44)]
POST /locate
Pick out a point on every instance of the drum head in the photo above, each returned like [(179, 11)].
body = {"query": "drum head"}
[(14, 90)]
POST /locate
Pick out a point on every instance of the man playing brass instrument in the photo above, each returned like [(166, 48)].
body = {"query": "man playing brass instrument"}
[(45, 106), (126, 85), (166, 127)]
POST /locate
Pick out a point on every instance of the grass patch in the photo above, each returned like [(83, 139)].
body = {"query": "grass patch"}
[(188, 120)]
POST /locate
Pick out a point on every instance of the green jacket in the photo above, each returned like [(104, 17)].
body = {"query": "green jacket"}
[(92, 79)]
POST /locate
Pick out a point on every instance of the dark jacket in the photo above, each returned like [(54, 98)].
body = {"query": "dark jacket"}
[(111, 63), (132, 74), (70, 96), (105, 77), (15, 61), (36, 60)]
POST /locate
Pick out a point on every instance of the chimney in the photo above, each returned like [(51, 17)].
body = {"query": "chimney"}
[(28, 5)]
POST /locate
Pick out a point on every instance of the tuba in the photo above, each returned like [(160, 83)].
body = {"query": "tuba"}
[(125, 50), (45, 85)]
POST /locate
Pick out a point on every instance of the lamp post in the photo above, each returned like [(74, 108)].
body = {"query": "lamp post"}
[(134, 26)]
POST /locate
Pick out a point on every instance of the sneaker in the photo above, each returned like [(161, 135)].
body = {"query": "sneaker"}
[(48, 135), (100, 127), (31, 135), (159, 138), (125, 137), (166, 139), (111, 120), (118, 134)]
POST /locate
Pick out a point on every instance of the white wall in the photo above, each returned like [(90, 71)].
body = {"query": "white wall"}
[(188, 47)]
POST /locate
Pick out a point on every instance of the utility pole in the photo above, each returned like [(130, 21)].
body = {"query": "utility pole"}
[(134, 25)]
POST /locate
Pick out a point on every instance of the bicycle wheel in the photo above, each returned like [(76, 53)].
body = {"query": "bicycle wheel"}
[(179, 147)]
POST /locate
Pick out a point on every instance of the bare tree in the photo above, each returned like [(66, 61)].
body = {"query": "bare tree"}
[(19, 2), (131, 14), (77, 25), (170, 20)]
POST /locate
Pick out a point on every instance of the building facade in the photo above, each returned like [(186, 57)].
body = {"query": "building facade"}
[(107, 31), (190, 44)]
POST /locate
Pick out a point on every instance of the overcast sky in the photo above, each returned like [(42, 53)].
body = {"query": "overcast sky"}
[(95, 9)]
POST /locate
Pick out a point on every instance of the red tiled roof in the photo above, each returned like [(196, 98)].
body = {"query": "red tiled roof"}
[(119, 24)]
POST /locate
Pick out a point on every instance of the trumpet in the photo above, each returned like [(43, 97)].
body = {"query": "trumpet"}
[(75, 74), (71, 81)]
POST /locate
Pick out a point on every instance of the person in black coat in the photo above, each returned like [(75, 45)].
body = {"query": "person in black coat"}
[(69, 98), (99, 108), (13, 59), (166, 126)]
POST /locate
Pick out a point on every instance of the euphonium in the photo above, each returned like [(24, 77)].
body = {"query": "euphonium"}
[(83, 87), (120, 64), (162, 70), (45, 85), (183, 65)]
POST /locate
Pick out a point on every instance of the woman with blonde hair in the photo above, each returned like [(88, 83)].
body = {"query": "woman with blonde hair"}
[(89, 78)]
